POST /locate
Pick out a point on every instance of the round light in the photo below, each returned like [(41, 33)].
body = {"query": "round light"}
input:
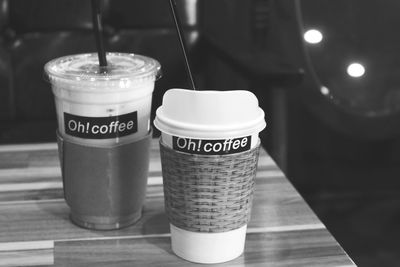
[(355, 70), (324, 90), (313, 36)]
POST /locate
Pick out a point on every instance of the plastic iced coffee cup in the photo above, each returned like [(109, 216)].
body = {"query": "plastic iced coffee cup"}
[(209, 152), (104, 134)]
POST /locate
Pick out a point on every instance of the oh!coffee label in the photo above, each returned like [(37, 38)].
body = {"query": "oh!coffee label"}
[(100, 127), (211, 147)]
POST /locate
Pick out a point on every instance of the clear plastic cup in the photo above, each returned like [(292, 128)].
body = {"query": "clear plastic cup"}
[(209, 153), (104, 135)]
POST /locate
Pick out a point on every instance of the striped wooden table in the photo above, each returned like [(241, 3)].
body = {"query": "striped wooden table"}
[(35, 229)]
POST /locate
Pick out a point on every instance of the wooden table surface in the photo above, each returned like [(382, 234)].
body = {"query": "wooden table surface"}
[(35, 229)]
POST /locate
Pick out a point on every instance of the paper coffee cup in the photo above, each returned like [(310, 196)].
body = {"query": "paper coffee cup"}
[(103, 106), (210, 127)]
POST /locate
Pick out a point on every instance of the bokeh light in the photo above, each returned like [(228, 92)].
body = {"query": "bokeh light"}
[(313, 36), (356, 70)]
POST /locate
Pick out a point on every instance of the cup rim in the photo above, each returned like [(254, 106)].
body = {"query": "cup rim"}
[(143, 69)]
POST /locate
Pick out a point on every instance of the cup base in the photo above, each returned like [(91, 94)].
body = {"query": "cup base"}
[(105, 223), (208, 248)]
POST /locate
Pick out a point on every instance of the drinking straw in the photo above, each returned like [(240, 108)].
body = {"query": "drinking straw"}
[(179, 31), (98, 32)]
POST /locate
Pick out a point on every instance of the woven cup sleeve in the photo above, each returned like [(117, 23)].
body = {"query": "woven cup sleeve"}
[(208, 193)]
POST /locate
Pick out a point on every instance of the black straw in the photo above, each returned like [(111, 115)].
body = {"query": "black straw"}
[(178, 26), (98, 32)]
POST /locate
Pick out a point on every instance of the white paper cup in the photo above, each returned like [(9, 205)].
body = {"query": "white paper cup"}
[(212, 124), (103, 106)]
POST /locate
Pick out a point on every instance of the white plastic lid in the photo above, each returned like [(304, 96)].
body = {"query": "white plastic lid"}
[(84, 69), (209, 114)]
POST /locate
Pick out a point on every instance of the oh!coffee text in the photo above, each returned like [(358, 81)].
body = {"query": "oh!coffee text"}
[(211, 147), (100, 127)]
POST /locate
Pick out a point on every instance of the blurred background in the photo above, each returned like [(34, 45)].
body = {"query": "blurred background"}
[(327, 74)]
